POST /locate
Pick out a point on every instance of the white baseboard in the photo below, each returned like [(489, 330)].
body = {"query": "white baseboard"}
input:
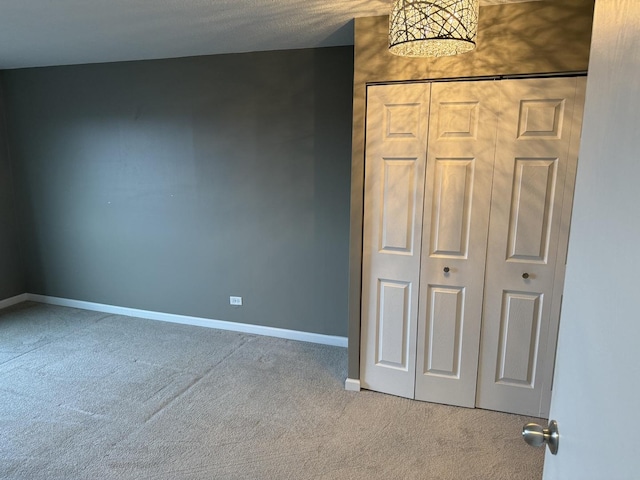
[(197, 321), (352, 385), (13, 300)]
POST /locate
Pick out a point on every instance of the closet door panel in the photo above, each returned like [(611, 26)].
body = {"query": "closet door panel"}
[(451, 207), (519, 336), (533, 183), (532, 202), (444, 325), (462, 134), (396, 132)]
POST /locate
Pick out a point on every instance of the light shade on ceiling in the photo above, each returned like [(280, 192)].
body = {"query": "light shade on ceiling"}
[(433, 28)]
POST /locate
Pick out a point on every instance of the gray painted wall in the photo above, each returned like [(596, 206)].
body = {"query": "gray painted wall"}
[(170, 185), (12, 281)]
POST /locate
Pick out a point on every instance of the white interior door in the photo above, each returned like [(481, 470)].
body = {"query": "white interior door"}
[(396, 138), (462, 138), (538, 139), (597, 382)]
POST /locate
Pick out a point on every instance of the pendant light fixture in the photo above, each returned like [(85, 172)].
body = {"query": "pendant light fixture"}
[(433, 28)]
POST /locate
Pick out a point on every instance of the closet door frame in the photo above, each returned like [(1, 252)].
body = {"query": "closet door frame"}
[(417, 325)]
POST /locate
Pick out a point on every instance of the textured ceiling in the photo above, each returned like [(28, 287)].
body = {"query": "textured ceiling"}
[(62, 32)]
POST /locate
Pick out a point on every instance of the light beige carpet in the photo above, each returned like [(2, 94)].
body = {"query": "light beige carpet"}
[(85, 395)]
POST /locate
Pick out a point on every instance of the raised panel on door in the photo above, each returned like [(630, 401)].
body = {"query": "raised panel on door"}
[(462, 135), (518, 338), (396, 132), (536, 156)]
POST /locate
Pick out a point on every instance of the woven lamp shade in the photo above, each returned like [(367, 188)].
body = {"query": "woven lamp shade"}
[(435, 28)]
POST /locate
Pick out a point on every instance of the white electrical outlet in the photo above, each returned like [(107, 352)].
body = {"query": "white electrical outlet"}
[(235, 300)]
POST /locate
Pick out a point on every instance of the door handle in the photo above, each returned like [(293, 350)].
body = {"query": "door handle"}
[(537, 436), (446, 269), (525, 275)]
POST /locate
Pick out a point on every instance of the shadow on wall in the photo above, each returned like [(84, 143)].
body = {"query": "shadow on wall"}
[(12, 280), (512, 39)]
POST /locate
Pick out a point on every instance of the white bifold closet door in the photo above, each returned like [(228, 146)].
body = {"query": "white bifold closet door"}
[(468, 193), (460, 155), (397, 120), (533, 184)]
